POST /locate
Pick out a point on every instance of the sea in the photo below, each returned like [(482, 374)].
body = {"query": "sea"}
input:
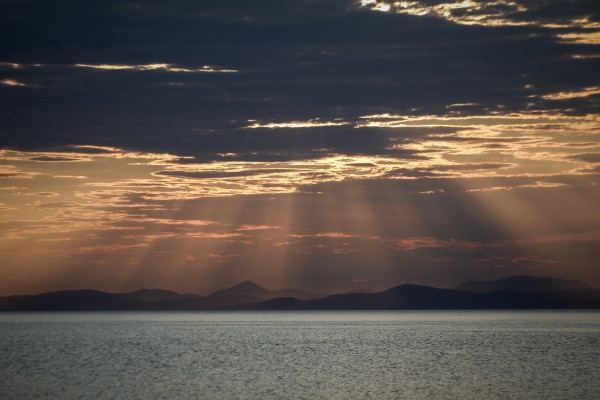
[(300, 355)]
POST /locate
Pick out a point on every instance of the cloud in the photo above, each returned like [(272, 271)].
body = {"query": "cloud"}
[(490, 13), (55, 159), (287, 76), (70, 176), (546, 14), (57, 204), (585, 56), (222, 174), (12, 82), (580, 37), (156, 66), (585, 92), (6, 64), (47, 194), (298, 124), (586, 157)]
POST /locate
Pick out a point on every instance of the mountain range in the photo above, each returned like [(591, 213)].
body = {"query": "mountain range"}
[(518, 292)]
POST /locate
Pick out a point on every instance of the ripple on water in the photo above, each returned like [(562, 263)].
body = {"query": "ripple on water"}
[(300, 355)]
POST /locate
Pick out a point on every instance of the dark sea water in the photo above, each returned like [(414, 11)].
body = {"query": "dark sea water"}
[(304, 355)]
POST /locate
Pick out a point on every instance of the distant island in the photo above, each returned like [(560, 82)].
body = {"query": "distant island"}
[(518, 292)]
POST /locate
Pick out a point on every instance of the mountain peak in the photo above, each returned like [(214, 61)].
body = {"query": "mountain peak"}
[(244, 288), (248, 284)]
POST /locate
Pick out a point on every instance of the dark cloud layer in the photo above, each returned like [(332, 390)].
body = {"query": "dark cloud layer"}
[(296, 60)]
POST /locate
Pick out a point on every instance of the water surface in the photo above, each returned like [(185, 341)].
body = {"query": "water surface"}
[(258, 355)]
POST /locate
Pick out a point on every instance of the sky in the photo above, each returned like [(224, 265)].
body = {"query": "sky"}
[(330, 145)]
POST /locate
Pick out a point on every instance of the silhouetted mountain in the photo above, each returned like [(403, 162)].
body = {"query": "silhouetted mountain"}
[(512, 299), (156, 295), (523, 284), (249, 288), (63, 300), (246, 287), (413, 297), (225, 302), (249, 296), (396, 298), (583, 294), (87, 300), (399, 297), (145, 299)]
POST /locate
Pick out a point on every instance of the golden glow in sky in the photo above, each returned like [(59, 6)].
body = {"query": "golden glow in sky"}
[(110, 206), (320, 145)]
